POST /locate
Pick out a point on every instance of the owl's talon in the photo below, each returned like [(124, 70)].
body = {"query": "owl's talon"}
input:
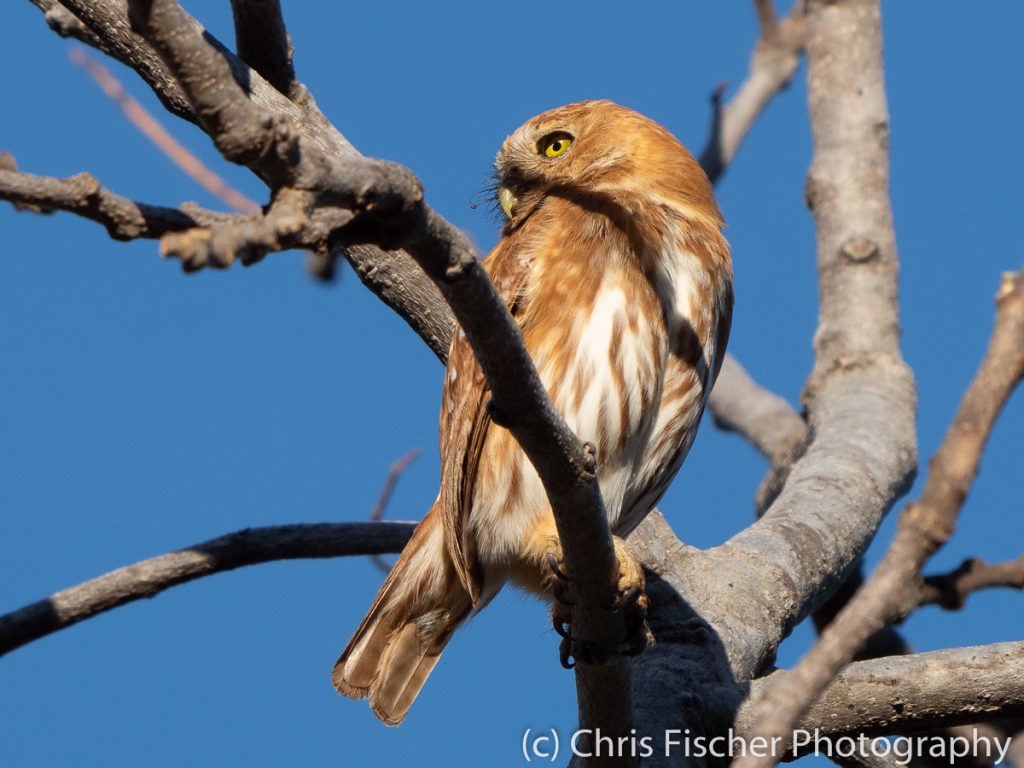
[(558, 590), (628, 598), (565, 653), (638, 640), (555, 565)]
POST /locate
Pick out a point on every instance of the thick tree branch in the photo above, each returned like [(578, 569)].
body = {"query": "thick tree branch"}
[(860, 400), (924, 525), (150, 577), (911, 693)]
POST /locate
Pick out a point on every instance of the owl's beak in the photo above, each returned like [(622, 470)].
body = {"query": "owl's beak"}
[(507, 200)]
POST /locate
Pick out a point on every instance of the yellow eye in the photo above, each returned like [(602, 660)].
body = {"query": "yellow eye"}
[(555, 144)]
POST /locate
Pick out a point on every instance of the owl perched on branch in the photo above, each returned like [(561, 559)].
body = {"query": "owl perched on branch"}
[(613, 263)]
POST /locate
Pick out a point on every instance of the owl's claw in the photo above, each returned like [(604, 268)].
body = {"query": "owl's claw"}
[(628, 597), (561, 584), (555, 564), (558, 590), (565, 653), (631, 599)]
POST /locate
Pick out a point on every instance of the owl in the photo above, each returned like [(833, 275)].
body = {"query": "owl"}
[(613, 263)]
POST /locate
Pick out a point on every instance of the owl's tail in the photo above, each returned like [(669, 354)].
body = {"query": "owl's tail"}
[(420, 605)]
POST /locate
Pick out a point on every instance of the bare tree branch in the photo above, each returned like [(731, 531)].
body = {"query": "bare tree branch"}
[(860, 399), (124, 219), (950, 590), (911, 693), (887, 641), (150, 577), (394, 215), (766, 20), (66, 24), (107, 22), (772, 65), (924, 525), (263, 43), (767, 421), (392, 275), (145, 122)]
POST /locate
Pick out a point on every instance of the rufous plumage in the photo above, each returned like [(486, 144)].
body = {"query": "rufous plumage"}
[(613, 263)]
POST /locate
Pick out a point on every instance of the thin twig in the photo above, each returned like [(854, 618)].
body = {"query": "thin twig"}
[(140, 117), (380, 507), (767, 20)]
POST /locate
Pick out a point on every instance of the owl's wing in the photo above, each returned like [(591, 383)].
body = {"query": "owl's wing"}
[(722, 334), (465, 421)]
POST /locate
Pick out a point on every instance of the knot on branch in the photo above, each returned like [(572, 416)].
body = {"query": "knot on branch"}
[(858, 250), (269, 141), (1009, 284), (219, 245), (947, 585), (86, 187), (387, 189), (816, 192), (932, 528)]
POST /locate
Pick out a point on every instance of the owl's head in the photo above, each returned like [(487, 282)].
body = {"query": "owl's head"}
[(598, 152)]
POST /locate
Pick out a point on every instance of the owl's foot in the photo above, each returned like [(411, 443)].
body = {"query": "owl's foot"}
[(630, 599)]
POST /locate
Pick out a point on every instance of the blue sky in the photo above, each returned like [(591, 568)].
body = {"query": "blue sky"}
[(145, 410)]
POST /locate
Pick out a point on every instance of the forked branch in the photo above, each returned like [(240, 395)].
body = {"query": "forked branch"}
[(924, 525), (389, 211), (772, 65)]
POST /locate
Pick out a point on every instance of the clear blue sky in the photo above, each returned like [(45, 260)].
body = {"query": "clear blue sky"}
[(144, 410)]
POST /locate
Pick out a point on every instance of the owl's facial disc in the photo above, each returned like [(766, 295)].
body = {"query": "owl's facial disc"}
[(507, 199)]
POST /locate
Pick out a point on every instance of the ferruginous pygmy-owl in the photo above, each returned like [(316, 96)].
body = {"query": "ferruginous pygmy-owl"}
[(613, 263)]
